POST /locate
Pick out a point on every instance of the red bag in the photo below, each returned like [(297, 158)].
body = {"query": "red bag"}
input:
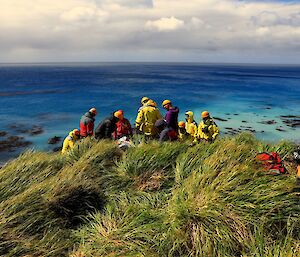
[(272, 162)]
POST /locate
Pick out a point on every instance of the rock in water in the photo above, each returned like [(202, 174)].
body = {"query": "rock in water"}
[(219, 119), (54, 140), (268, 122)]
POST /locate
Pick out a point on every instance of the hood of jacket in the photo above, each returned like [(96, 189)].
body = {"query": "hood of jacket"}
[(190, 115), (72, 135), (89, 115)]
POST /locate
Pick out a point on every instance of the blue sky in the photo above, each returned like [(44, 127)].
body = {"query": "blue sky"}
[(145, 30)]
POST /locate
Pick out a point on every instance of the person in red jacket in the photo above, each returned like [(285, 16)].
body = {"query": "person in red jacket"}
[(123, 125), (87, 123)]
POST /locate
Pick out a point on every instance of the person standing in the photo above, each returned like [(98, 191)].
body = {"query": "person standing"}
[(191, 125), (87, 123), (172, 114), (208, 129), (146, 118)]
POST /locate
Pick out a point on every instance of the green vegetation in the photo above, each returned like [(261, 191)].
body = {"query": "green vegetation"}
[(153, 200)]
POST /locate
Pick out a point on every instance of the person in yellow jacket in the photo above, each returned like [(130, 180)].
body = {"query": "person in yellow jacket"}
[(70, 140), (182, 133), (191, 125), (146, 118), (144, 101), (208, 129)]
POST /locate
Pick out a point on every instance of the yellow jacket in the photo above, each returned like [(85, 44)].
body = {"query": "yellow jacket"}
[(69, 142), (146, 119), (183, 136), (208, 130), (191, 125)]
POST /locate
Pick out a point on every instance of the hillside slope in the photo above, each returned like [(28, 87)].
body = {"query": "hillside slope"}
[(153, 200)]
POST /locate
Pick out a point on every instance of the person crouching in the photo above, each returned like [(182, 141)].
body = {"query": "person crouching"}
[(208, 129), (165, 133), (183, 135), (107, 128), (70, 140), (123, 126)]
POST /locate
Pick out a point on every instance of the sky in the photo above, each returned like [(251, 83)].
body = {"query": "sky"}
[(229, 31)]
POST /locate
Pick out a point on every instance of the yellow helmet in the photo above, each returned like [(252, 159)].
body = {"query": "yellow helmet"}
[(152, 103), (119, 114), (144, 99), (93, 111), (205, 114), (165, 102), (181, 124)]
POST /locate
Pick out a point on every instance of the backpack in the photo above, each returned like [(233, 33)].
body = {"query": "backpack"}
[(172, 134), (271, 162)]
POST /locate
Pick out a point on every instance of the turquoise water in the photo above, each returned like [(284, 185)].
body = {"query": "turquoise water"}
[(56, 95)]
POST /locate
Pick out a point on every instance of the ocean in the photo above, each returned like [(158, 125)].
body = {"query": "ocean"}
[(240, 97)]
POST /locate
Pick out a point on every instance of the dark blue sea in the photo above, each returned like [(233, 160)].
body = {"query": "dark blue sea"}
[(55, 96)]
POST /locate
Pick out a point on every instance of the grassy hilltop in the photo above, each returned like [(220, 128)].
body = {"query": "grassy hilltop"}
[(153, 200)]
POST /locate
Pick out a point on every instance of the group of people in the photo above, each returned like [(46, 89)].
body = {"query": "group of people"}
[(149, 122)]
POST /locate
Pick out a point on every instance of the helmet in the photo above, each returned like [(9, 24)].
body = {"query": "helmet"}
[(205, 114), (181, 124), (144, 100), (76, 132), (119, 114), (93, 111), (152, 103), (165, 102)]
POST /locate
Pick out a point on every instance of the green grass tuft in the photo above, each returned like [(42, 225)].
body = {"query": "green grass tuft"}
[(152, 200)]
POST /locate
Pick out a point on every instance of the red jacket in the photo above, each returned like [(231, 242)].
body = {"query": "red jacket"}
[(123, 128), (87, 125)]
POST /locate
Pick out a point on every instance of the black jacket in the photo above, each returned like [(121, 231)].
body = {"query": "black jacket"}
[(106, 127)]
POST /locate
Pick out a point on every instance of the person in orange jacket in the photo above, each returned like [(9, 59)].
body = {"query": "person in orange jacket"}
[(123, 126)]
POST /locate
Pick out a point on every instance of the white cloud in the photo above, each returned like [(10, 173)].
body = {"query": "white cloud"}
[(83, 14), (203, 30), (165, 24)]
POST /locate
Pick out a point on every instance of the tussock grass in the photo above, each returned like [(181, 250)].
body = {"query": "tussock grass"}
[(153, 200)]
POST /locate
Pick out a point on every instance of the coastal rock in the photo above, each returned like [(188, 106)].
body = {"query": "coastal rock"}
[(35, 130), (54, 140), (219, 119), (289, 117), (24, 129), (57, 149), (280, 129), (250, 130), (248, 127), (291, 120), (3, 133), (12, 143), (268, 122)]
